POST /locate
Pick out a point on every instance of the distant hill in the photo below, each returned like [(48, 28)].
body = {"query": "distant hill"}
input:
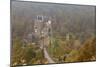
[(77, 19)]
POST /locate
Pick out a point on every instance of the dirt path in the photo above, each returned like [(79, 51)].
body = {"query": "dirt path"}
[(47, 56)]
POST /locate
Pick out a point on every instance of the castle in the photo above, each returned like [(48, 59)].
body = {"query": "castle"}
[(41, 32), (42, 29)]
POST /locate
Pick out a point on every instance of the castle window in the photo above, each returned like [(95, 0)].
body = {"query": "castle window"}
[(40, 18)]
